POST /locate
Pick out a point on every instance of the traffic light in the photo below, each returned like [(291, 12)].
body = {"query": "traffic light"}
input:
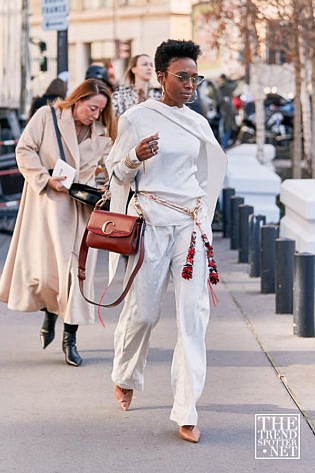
[(42, 46), (43, 64), (42, 60)]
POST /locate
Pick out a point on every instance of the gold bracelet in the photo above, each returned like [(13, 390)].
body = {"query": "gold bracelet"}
[(130, 164)]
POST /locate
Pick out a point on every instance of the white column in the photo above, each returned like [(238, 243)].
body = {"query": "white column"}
[(82, 60)]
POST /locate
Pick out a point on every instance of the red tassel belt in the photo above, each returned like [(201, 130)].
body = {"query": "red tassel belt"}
[(187, 271)]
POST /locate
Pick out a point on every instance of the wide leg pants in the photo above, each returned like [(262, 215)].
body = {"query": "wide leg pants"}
[(165, 254)]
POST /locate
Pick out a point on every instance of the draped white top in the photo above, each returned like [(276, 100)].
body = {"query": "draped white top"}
[(190, 163)]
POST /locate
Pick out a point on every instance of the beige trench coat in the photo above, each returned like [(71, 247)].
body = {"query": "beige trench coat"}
[(41, 265)]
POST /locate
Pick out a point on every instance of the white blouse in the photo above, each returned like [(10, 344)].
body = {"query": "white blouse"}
[(171, 174), (190, 164)]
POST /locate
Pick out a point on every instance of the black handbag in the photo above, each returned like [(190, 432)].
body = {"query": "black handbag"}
[(87, 195), (81, 192)]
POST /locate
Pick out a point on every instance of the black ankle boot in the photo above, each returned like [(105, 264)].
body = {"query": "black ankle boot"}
[(47, 332), (69, 347)]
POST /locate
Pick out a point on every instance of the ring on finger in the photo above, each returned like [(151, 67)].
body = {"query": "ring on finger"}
[(151, 148)]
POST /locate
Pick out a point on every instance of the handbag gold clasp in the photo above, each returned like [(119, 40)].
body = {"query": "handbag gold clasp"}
[(104, 226)]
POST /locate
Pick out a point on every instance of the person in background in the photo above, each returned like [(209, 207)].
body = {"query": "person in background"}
[(226, 89), (96, 71), (136, 87), (100, 72), (40, 272), (179, 167), (57, 89)]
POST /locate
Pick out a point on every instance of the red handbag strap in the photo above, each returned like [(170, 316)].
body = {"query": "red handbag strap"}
[(82, 262)]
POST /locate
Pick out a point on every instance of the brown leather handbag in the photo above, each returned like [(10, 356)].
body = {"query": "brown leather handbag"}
[(115, 232)]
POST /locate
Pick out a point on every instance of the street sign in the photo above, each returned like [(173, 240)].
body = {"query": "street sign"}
[(55, 14), (58, 23), (51, 8)]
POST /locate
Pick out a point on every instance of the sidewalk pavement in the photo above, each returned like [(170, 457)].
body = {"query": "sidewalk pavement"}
[(292, 357), (57, 419)]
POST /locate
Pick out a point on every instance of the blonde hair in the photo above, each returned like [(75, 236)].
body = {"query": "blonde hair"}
[(129, 77), (86, 90)]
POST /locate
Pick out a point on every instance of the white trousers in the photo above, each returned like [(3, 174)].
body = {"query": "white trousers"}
[(165, 255)]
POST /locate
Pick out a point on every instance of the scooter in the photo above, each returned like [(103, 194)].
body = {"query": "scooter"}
[(278, 123)]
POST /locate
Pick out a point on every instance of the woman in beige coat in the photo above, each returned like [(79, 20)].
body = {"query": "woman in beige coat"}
[(40, 272)]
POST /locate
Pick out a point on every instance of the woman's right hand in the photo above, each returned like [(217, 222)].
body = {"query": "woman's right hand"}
[(55, 183), (148, 147)]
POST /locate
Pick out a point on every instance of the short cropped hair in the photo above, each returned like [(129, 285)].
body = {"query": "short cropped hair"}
[(173, 49)]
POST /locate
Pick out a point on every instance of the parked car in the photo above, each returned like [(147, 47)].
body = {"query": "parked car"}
[(11, 185)]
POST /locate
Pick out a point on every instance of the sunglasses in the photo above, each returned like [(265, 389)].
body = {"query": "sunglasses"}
[(184, 77)]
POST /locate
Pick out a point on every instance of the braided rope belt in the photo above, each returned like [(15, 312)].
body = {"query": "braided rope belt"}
[(187, 271)]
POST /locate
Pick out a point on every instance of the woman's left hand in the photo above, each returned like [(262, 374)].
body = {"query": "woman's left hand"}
[(148, 147)]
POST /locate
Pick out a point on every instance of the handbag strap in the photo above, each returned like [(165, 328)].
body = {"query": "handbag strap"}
[(82, 262), (61, 150), (106, 196)]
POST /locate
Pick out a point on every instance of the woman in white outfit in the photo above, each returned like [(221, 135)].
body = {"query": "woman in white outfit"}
[(180, 169)]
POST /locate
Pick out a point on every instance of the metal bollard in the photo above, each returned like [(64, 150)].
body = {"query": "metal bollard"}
[(284, 255), (235, 227), (227, 193), (269, 233), (254, 244), (303, 295), (244, 212)]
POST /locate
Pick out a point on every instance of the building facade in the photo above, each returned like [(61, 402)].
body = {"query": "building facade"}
[(107, 31)]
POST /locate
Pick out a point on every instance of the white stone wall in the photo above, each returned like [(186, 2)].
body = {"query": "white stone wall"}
[(257, 183), (298, 197)]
